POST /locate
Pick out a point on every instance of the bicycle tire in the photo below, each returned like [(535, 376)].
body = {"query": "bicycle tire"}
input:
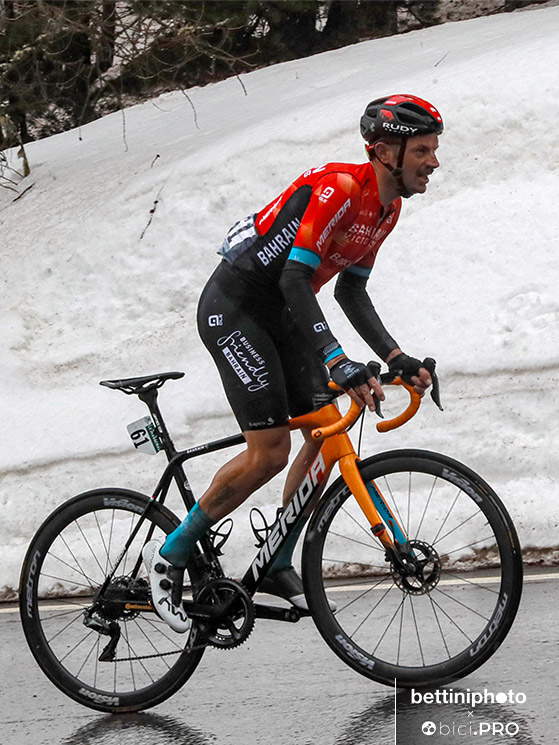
[(387, 628), (65, 565)]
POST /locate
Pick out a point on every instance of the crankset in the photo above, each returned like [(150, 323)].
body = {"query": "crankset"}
[(232, 613), (419, 570)]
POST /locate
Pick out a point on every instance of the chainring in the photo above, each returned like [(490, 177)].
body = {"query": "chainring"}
[(233, 626)]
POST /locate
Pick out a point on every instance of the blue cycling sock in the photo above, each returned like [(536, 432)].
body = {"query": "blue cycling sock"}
[(180, 543), (284, 558)]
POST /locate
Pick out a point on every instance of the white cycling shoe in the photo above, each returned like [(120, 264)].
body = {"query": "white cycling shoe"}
[(287, 584), (163, 579)]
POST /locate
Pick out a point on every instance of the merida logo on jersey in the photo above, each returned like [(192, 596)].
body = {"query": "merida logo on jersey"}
[(281, 242), (332, 224), (269, 212)]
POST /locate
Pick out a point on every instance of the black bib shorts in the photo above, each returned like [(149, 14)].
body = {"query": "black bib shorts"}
[(268, 368)]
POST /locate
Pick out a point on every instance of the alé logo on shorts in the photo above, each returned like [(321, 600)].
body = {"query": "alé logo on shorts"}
[(215, 320), (315, 476)]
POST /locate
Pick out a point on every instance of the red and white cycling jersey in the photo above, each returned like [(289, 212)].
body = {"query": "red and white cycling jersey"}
[(330, 217)]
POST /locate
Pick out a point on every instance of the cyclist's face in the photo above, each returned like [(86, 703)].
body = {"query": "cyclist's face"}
[(420, 161)]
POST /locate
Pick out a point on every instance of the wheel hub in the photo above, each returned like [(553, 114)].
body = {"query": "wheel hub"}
[(421, 570), (121, 592)]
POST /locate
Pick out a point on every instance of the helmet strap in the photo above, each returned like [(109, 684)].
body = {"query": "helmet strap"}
[(396, 171)]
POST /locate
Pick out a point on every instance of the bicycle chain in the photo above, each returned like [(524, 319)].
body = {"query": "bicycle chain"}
[(162, 654)]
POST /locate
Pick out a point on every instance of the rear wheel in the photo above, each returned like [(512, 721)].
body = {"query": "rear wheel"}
[(103, 649), (446, 612)]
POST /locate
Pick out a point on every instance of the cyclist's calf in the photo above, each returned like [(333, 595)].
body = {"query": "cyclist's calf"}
[(266, 455)]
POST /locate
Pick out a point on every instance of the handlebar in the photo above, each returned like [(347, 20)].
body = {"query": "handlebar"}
[(390, 424)]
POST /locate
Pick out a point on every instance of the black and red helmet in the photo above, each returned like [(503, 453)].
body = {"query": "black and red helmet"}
[(400, 116)]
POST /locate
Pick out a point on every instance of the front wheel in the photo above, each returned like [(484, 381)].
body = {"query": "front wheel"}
[(96, 641), (441, 619)]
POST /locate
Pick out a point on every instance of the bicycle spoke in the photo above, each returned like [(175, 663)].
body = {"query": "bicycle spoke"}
[(467, 581), (362, 528), (407, 525), (450, 532), (84, 574), (459, 602), (78, 673), (62, 630), (394, 501), (54, 616), (469, 545), (439, 627), (150, 642), (458, 493), (78, 644), (400, 635), (361, 564), (87, 543), (369, 544), (417, 632), (370, 612), (389, 625), (426, 507), (99, 530), (109, 543)]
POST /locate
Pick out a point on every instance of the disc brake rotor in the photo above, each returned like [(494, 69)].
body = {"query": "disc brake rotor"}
[(424, 573)]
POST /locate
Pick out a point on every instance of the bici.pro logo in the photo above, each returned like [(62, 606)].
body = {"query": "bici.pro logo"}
[(428, 728)]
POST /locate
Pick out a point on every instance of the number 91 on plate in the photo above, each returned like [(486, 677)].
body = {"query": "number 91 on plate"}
[(144, 435)]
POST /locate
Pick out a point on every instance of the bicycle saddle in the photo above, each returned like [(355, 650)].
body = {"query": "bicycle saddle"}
[(141, 384)]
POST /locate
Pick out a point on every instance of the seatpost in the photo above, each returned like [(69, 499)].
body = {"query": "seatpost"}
[(149, 397)]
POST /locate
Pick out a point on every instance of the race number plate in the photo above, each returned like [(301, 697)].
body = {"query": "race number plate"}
[(144, 435)]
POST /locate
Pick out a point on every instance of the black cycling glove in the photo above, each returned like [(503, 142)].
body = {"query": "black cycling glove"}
[(348, 374), (405, 366)]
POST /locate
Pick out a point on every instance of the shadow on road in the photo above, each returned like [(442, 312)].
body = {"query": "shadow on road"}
[(134, 729)]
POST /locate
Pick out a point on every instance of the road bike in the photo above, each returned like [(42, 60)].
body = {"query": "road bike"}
[(417, 551)]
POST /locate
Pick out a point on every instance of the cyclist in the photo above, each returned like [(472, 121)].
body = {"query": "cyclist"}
[(260, 320)]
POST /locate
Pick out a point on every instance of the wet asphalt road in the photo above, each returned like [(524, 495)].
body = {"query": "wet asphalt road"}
[(285, 687)]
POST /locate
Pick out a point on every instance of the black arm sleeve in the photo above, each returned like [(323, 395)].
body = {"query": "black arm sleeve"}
[(301, 301), (354, 300)]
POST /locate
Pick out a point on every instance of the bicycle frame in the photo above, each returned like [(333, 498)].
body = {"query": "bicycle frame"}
[(336, 448)]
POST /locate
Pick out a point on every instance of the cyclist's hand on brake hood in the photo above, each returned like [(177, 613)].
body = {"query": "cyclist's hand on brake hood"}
[(356, 379), (411, 371)]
